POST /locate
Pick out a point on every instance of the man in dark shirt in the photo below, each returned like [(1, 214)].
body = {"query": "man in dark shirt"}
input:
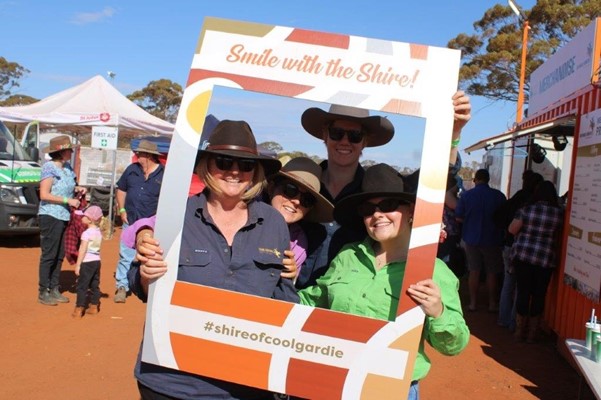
[(137, 197)]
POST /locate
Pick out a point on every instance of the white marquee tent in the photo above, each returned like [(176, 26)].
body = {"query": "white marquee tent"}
[(93, 103)]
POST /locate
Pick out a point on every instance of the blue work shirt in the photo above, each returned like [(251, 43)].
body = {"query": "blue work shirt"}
[(476, 208), (251, 265), (142, 196)]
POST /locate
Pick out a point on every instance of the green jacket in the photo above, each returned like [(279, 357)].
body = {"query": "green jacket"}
[(353, 285)]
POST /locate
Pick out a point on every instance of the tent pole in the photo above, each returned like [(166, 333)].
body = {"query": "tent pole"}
[(112, 195)]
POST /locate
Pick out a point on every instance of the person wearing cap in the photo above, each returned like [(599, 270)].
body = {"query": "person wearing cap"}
[(87, 266), (346, 131), (294, 192), (137, 197), (366, 277), (230, 240), (58, 193)]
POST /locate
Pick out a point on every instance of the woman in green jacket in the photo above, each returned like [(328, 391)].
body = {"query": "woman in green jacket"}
[(366, 277)]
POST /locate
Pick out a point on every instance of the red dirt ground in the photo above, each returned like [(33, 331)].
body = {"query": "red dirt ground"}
[(46, 354)]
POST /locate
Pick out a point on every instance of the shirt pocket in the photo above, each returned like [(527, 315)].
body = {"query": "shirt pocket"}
[(341, 293), (195, 267), (264, 278)]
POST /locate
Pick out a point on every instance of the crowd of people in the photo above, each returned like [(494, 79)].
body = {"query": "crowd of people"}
[(323, 224)]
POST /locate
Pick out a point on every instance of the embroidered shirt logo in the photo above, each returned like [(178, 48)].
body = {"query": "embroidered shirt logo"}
[(273, 251)]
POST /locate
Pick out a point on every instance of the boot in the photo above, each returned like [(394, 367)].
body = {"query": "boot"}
[(77, 313), (46, 299), (93, 309), (520, 327), (56, 295), (532, 329), (120, 295)]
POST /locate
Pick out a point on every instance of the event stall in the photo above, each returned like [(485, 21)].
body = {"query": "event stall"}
[(565, 108)]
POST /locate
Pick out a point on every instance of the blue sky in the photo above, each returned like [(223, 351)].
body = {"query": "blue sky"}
[(65, 43)]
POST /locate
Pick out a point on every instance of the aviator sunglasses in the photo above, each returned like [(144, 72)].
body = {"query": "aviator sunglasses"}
[(291, 191), (387, 205), (226, 163), (337, 134)]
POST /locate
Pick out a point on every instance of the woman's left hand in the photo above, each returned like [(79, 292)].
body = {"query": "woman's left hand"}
[(426, 293), (290, 267)]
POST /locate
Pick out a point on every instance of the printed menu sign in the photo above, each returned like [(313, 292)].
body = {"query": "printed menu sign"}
[(583, 258)]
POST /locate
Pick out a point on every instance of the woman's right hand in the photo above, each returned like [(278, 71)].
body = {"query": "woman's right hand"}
[(150, 255)]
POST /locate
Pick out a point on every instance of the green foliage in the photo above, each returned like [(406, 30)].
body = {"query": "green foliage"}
[(10, 73), (491, 57), (160, 98), (18, 100), (272, 146)]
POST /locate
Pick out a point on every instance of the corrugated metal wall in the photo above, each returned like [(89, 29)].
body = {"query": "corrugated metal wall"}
[(566, 309)]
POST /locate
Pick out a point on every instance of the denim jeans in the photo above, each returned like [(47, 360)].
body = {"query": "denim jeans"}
[(126, 256), (413, 391), (52, 232), (507, 301)]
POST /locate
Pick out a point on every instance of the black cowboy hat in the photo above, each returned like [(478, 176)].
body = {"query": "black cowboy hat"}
[(236, 139), (379, 130), (380, 180), (307, 174)]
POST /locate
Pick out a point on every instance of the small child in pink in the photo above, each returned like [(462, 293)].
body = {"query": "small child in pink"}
[(87, 267)]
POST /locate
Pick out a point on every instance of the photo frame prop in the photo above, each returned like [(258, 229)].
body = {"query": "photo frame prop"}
[(279, 346)]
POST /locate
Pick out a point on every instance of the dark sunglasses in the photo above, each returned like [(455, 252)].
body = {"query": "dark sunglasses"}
[(337, 134), (226, 163), (387, 205), (291, 191)]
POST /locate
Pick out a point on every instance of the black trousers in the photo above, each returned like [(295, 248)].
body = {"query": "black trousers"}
[(532, 282), (89, 278), (52, 232)]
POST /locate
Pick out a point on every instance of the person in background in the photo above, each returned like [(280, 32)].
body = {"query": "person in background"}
[(482, 237), (226, 215), (346, 131), (87, 267), (537, 229), (503, 217), (57, 190), (366, 277), (137, 197), (450, 250)]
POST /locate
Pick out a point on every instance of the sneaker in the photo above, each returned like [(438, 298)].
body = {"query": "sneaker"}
[(120, 295), (56, 295), (46, 299)]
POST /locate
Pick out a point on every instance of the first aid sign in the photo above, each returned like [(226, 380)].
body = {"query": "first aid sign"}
[(105, 137)]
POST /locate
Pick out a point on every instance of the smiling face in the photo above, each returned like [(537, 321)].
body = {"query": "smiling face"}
[(388, 226), (290, 207), (343, 152), (231, 183)]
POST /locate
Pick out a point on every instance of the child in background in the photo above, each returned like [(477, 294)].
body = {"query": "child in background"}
[(87, 267)]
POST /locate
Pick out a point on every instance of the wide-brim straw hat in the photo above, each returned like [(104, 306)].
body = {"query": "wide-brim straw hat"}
[(62, 142), (236, 139), (305, 173), (379, 130), (146, 146), (380, 180)]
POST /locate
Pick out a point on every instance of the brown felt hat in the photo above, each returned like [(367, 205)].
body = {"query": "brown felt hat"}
[(146, 146), (236, 139), (62, 142), (307, 174), (378, 130), (380, 180)]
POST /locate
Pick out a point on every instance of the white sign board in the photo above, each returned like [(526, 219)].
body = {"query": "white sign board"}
[(583, 259), (565, 72), (105, 137)]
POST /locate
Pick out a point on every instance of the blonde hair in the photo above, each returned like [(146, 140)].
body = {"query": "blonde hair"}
[(256, 186)]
